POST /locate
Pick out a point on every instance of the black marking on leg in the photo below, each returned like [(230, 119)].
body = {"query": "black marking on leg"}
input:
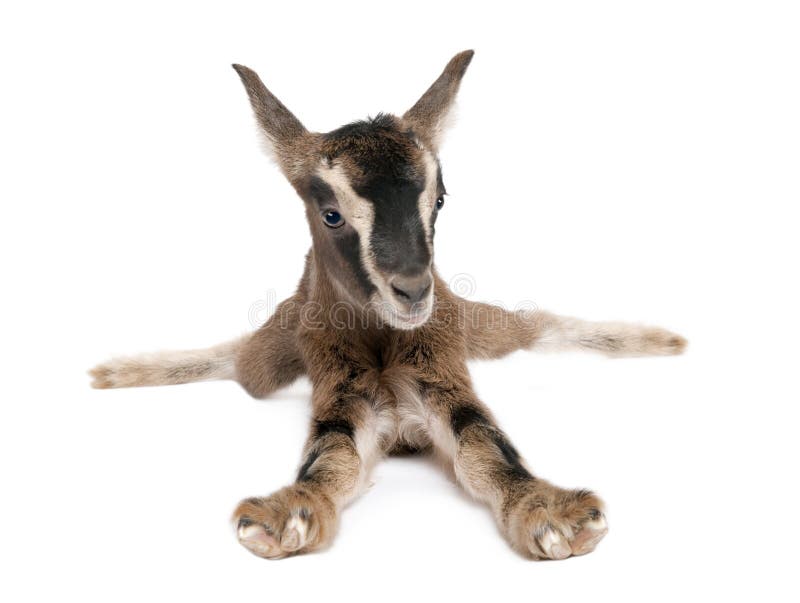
[(463, 416), (345, 386), (510, 454), (322, 428), (303, 474)]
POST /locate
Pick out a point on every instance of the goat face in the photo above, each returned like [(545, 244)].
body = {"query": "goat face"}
[(372, 190), (376, 194)]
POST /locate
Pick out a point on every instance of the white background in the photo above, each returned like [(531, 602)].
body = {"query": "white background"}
[(614, 160)]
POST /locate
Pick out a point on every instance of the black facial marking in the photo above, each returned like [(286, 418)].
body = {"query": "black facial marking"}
[(463, 416), (391, 177), (398, 240), (344, 240), (318, 192), (348, 244)]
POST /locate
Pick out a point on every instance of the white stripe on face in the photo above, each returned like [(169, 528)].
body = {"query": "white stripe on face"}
[(427, 200), (360, 214)]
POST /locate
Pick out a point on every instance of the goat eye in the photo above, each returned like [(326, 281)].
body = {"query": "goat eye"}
[(440, 202), (333, 218)]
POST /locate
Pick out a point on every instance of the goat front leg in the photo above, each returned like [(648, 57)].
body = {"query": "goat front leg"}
[(302, 517), (270, 359), (539, 520), (493, 332)]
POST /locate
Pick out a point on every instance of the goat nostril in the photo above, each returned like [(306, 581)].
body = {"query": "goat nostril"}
[(400, 293), (411, 290), (425, 289)]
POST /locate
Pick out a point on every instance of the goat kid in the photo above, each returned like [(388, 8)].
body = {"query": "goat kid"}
[(387, 342)]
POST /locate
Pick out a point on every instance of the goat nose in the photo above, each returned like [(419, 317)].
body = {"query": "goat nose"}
[(412, 289)]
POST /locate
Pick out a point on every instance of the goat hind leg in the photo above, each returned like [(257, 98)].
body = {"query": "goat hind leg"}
[(609, 338), (493, 332), (168, 368), (262, 362)]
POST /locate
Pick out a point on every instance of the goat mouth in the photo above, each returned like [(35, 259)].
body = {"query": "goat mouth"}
[(409, 320), (413, 319)]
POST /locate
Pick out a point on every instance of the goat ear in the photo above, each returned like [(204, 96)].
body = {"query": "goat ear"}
[(428, 117), (283, 131)]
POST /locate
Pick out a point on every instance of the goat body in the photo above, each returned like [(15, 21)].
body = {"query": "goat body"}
[(385, 342)]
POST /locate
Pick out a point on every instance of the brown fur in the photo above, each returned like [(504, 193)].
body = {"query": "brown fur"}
[(378, 389)]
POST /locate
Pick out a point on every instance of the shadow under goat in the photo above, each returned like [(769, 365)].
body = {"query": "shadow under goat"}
[(385, 342)]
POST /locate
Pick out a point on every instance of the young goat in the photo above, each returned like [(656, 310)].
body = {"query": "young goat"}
[(385, 342)]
